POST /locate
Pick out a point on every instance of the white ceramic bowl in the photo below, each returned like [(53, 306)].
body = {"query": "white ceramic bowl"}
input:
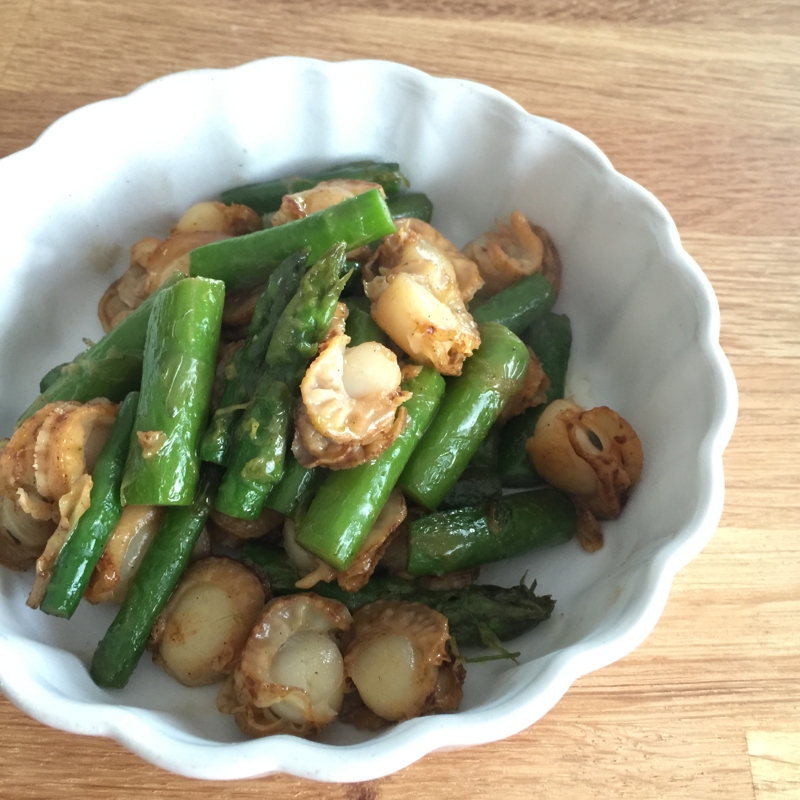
[(645, 321)]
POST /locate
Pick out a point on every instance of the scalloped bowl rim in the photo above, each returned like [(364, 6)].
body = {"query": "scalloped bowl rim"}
[(402, 744)]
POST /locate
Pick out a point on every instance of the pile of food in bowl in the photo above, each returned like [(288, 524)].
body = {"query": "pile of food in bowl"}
[(283, 458)]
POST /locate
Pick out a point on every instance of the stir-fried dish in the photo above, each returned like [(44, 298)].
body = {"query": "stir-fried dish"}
[(291, 453)]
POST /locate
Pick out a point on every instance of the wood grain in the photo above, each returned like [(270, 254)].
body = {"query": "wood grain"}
[(699, 102)]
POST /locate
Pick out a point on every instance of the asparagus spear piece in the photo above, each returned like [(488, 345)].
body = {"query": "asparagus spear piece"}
[(120, 649), (478, 615), (179, 361), (111, 368), (249, 260), (84, 545), (473, 486), (360, 326), (449, 541), (247, 363), (51, 376), (296, 488), (550, 337), (348, 503), (260, 439), (266, 197), (413, 204), (517, 306), (259, 450), (471, 404)]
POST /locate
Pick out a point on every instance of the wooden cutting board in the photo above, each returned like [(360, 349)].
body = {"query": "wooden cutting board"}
[(698, 102)]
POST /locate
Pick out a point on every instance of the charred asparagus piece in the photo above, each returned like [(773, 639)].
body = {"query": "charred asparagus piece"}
[(449, 541), (247, 363), (260, 439), (478, 614)]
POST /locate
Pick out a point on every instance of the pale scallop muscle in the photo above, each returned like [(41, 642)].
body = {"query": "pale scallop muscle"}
[(152, 261), (123, 553), (416, 300), (594, 456), (468, 275), (199, 635), (512, 251), (399, 660), (351, 394), (290, 677), (47, 457)]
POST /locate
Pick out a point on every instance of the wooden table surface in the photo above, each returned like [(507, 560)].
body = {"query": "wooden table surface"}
[(700, 103)]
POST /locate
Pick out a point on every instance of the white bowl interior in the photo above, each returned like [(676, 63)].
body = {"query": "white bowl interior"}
[(645, 325)]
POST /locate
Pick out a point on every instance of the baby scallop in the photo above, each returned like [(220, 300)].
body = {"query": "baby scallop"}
[(416, 300), (466, 270), (153, 260), (370, 553), (290, 677), (233, 532), (351, 394), (398, 658), (594, 456), (22, 538), (322, 196), (47, 457), (232, 220), (123, 553), (512, 251), (199, 635)]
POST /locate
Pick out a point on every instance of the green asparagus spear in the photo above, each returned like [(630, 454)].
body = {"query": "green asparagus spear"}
[(85, 542), (550, 337), (350, 500), (471, 405), (473, 486), (519, 305), (179, 362), (51, 376), (307, 318), (256, 461), (247, 363), (266, 197), (249, 260), (121, 648), (259, 449), (413, 204), (360, 326), (295, 490), (480, 481), (449, 541), (355, 283), (111, 368), (486, 458), (477, 614)]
